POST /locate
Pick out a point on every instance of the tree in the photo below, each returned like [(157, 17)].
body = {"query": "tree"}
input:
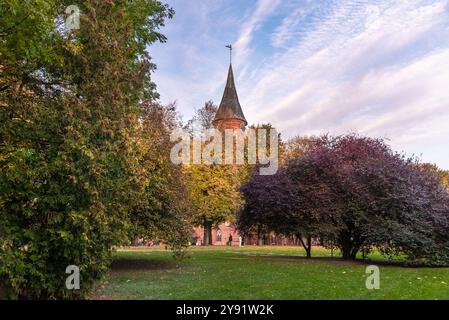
[(212, 189), (388, 201), (269, 205), (202, 118), (415, 219), (379, 198), (442, 174), (69, 108), (26, 41), (160, 211), (213, 196), (291, 202), (358, 194), (317, 208), (298, 146)]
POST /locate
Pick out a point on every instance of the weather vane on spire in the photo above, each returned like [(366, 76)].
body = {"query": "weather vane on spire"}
[(229, 46)]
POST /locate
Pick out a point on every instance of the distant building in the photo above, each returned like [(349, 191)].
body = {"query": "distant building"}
[(230, 116)]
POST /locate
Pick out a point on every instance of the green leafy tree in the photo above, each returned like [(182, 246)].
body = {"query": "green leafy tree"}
[(69, 108), (160, 211), (213, 196), (212, 190)]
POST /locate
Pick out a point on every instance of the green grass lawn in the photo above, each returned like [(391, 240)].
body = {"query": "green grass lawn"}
[(262, 273)]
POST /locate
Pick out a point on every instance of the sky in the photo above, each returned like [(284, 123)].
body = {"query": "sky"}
[(378, 68)]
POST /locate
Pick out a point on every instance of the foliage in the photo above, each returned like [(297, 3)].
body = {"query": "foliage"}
[(202, 118), (287, 204), (298, 146), (269, 204), (357, 193), (443, 175), (69, 109), (388, 202), (213, 193), (160, 211)]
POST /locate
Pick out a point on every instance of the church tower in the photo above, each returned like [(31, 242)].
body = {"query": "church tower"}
[(229, 114)]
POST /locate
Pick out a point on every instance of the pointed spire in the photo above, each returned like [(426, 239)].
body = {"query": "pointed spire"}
[(230, 106)]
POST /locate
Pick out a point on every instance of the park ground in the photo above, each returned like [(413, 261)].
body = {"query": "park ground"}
[(262, 273)]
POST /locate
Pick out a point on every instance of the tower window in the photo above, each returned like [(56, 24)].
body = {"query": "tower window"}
[(218, 236)]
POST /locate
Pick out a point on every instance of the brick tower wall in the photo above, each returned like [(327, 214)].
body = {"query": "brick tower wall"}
[(229, 124)]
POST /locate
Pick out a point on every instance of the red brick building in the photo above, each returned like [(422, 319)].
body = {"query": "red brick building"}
[(225, 234)]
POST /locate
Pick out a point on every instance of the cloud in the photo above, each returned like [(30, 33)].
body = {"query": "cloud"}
[(294, 25), (191, 65), (370, 69), (374, 66), (262, 10)]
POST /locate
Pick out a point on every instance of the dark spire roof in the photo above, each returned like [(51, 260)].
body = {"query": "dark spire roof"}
[(230, 106)]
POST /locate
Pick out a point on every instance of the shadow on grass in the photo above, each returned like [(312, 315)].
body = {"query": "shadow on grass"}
[(341, 261), (139, 265)]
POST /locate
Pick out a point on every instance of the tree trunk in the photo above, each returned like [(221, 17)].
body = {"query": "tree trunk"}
[(349, 251), (354, 253), (346, 251), (259, 236), (332, 248), (307, 245), (207, 235)]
